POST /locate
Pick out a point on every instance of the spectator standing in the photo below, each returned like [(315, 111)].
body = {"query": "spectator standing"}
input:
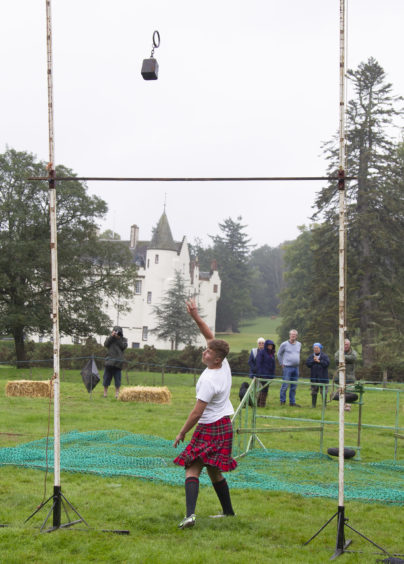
[(318, 363), (289, 359), (116, 344), (252, 361), (350, 361), (265, 368)]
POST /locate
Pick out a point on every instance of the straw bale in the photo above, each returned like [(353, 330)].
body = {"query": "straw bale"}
[(148, 394), (29, 388)]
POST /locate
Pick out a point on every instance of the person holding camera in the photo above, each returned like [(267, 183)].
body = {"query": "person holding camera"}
[(116, 344)]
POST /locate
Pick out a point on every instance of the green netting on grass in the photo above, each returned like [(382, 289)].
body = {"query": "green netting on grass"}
[(119, 453)]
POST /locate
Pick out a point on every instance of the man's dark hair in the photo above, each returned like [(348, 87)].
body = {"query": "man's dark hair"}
[(221, 348)]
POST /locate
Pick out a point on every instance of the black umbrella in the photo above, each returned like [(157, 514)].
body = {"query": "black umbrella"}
[(90, 375)]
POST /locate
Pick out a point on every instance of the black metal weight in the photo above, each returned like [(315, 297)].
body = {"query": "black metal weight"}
[(150, 67)]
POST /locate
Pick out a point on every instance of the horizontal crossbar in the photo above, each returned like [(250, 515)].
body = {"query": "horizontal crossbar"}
[(190, 179), (274, 429)]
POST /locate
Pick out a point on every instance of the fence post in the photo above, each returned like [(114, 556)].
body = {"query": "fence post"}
[(162, 374)]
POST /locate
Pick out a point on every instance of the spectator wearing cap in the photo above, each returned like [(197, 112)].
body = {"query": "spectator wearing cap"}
[(252, 361), (318, 363)]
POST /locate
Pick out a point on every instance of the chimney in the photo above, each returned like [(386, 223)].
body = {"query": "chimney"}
[(213, 265), (134, 236)]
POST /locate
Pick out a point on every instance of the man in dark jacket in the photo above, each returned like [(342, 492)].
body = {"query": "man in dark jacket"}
[(318, 363), (116, 344), (265, 369)]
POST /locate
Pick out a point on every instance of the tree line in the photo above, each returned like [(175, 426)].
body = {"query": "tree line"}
[(298, 279)]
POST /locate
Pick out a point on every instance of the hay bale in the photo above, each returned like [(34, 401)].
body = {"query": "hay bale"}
[(148, 394), (29, 388)]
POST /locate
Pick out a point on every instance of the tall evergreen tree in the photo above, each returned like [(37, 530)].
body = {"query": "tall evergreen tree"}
[(232, 252), (296, 295), (267, 265), (173, 322), (373, 200)]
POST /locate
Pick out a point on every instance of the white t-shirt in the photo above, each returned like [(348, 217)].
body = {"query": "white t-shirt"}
[(213, 387)]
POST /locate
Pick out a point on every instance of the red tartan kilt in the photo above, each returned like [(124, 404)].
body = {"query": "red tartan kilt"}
[(212, 443)]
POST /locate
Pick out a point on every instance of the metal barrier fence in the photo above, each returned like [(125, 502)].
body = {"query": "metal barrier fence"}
[(246, 429)]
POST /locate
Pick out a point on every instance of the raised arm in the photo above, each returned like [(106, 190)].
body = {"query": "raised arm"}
[(193, 312)]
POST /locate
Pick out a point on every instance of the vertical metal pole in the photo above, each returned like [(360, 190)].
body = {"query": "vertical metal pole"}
[(396, 430), (342, 279), (257, 388), (54, 273), (323, 406), (359, 424)]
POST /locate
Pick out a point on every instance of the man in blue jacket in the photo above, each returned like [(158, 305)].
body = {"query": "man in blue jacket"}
[(318, 363)]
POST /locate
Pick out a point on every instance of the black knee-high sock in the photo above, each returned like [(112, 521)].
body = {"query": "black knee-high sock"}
[(223, 493), (191, 494)]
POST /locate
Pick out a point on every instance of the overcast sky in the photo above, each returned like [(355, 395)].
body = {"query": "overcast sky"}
[(244, 89)]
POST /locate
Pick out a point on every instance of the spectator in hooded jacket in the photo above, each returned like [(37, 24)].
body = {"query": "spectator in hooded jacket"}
[(318, 363), (265, 368), (116, 344), (252, 361)]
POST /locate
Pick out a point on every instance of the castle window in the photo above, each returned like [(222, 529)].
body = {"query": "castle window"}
[(145, 331), (148, 263), (135, 345), (138, 286), (156, 259), (149, 297), (215, 288)]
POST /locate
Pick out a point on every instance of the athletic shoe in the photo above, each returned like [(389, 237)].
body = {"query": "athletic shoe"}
[(187, 522), (283, 402), (222, 515), (294, 405)]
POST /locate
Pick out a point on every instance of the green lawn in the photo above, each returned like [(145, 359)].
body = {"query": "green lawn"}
[(269, 526), (250, 331)]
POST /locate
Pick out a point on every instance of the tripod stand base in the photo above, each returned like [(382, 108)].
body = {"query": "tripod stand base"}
[(342, 544), (59, 501)]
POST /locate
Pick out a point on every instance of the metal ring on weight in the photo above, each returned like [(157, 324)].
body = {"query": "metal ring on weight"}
[(156, 39)]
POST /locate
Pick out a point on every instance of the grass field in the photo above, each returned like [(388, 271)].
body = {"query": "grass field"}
[(250, 331), (269, 526)]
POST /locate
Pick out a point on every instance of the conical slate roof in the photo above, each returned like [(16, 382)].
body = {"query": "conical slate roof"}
[(162, 236)]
